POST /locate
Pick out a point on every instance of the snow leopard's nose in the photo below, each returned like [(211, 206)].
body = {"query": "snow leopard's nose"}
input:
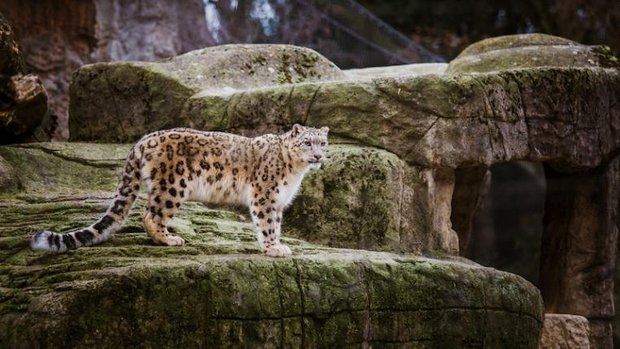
[(318, 157)]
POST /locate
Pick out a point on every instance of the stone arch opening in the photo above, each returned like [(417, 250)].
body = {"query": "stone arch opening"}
[(505, 226), (577, 232)]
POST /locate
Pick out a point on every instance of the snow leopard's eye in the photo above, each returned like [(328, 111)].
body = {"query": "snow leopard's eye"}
[(308, 143), (323, 144)]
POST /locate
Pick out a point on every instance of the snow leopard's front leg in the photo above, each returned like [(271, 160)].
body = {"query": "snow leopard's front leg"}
[(268, 222)]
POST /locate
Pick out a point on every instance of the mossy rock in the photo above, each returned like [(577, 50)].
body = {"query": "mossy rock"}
[(425, 116), (354, 201), (363, 197), (241, 67), (368, 198), (218, 290), (121, 101), (529, 51)]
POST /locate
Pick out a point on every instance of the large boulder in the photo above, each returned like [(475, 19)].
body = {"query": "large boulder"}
[(219, 290), (135, 97)]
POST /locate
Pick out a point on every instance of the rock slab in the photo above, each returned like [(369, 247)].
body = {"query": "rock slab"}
[(218, 290)]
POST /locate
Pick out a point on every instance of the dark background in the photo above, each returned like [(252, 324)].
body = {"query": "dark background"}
[(446, 27)]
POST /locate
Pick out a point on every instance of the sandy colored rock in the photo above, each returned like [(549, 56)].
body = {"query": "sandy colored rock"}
[(565, 331)]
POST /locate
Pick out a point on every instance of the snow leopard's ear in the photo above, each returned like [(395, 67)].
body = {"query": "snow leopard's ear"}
[(324, 129), (296, 130)]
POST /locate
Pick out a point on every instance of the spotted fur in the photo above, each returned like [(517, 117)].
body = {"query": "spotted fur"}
[(263, 173)]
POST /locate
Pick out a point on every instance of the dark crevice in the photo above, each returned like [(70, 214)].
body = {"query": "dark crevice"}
[(302, 302), (279, 282), (368, 336), (289, 103), (312, 99), (371, 310), (81, 161)]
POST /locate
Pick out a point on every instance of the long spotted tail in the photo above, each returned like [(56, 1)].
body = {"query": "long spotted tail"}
[(103, 229)]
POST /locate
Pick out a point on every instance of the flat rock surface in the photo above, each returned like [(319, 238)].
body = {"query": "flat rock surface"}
[(218, 290)]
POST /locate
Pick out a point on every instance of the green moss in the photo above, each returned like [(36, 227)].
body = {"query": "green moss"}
[(350, 201), (51, 167), (123, 101), (260, 59), (169, 297), (606, 57), (284, 70), (299, 62)]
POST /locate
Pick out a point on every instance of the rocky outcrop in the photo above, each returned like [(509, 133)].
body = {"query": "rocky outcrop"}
[(218, 290), (23, 100), (410, 150), (426, 119), (529, 97), (148, 96), (367, 198)]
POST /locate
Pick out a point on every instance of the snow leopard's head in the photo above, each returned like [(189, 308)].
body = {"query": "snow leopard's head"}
[(308, 144)]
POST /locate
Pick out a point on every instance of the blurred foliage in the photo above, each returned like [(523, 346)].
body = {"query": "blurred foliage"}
[(448, 26)]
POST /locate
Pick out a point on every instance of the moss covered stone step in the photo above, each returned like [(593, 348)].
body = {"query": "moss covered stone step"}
[(218, 290)]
